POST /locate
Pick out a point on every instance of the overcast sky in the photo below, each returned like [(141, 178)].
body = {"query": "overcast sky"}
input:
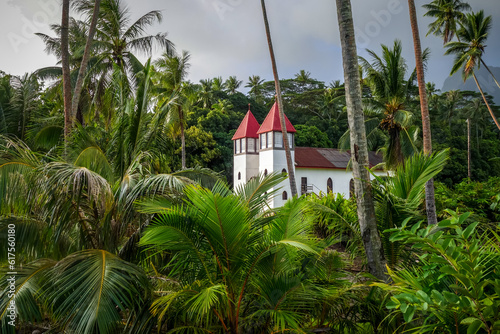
[(226, 37)]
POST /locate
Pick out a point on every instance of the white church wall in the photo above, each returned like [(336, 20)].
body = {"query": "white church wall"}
[(275, 160), (318, 178), (247, 165)]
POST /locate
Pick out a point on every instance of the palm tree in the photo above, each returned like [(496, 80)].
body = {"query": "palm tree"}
[(236, 268), (232, 84), (116, 38), (206, 93), (255, 85), (76, 213), (174, 70), (68, 120), (469, 49), (448, 14), (289, 162), (85, 60), (386, 76), (424, 107), (360, 162)]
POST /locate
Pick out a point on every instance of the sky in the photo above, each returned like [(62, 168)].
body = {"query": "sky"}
[(227, 37)]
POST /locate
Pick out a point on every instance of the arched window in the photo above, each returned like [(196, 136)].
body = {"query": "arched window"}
[(283, 171), (265, 172), (351, 188), (239, 175), (284, 196), (329, 185)]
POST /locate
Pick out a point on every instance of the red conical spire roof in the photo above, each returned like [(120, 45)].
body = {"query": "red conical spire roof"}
[(248, 127), (272, 122)]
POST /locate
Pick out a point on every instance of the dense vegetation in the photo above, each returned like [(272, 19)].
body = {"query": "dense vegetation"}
[(127, 221)]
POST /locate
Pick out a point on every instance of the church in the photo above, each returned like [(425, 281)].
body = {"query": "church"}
[(259, 149)]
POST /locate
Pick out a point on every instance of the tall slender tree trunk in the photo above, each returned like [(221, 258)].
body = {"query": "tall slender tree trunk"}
[(468, 150), (183, 138), (68, 120), (486, 101), (430, 202), (492, 75), (85, 60), (289, 162), (359, 150)]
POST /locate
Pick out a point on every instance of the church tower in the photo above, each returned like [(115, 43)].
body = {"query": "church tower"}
[(245, 150), (272, 157)]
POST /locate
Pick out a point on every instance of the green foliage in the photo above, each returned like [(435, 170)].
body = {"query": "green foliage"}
[(456, 285), (311, 136), (475, 197)]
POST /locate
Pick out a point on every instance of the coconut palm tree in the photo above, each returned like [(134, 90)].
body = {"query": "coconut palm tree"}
[(80, 215), (448, 14), (241, 269), (255, 85), (424, 107), (66, 78), (289, 162), (172, 78), (362, 186), (470, 48), (232, 84), (85, 60), (391, 90)]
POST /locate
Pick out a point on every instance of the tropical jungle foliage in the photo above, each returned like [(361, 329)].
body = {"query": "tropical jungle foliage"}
[(130, 223)]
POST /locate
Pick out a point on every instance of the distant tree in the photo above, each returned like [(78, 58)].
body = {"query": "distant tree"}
[(172, 77), (469, 49), (232, 84), (255, 85), (311, 136), (448, 14)]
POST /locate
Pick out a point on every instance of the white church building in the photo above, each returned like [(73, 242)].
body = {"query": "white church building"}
[(259, 149)]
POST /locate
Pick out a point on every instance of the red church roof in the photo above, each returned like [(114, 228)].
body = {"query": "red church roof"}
[(248, 127), (272, 122)]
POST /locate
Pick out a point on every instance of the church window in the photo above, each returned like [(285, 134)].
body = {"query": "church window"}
[(329, 185), (278, 139), (251, 145), (265, 172), (290, 139), (283, 171), (238, 143), (243, 145), (303, 185), (284, 196), (239, 175), (263, 140), (269, 139), (351, 188)]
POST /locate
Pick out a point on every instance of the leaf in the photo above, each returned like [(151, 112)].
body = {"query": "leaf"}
[(474, 326), (89, 288), (469, 230)]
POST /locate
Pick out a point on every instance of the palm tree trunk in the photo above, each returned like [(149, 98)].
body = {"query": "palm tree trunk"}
[(430, 202), (493, 76), (468, 150), (85, 60), (183, 138), (486, 101), (68, 120), (289, 162), (360, 162)]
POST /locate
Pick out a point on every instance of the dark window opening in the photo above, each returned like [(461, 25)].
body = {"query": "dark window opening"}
[(329, 185), (283, 171), (351, 188), (303, 185), (265, 172), (239, 175), (284, 196)]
